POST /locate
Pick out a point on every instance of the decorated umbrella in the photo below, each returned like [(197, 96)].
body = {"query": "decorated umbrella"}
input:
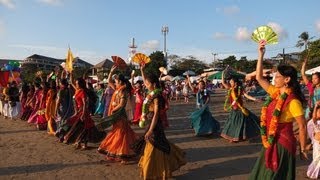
[(163, 70), (190, 73), (119, 62), (141, 58)]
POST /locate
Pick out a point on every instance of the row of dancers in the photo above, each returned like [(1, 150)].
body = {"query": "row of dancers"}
[(67, 114)]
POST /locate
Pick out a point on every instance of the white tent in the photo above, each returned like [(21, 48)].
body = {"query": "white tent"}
[(313, 70)]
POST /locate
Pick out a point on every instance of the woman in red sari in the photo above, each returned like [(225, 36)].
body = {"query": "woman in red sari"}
[(277, 157), (37, 117), (137, 91), (81, 121), (28, 107), (116, 145)]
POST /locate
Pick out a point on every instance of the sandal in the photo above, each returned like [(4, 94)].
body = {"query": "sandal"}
[(124, 162), (84, 147), (77, 145)]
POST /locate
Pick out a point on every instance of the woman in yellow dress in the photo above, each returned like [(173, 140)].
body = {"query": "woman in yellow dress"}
[(51, 108), (282, 107), (160, 157)]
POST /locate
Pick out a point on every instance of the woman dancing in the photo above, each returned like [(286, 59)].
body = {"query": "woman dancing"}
[(241, 124), (201, 120), (282, 107), (116, 145), (160, 157)]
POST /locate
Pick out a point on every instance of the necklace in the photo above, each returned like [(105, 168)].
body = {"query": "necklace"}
[(145, 105), (268, 138)]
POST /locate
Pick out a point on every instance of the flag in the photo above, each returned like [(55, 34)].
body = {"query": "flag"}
[(69, 61)]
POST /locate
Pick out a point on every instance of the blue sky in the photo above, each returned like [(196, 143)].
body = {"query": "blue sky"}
[(98, 29)]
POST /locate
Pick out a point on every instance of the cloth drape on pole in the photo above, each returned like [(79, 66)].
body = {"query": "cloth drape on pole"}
[(69, 61)]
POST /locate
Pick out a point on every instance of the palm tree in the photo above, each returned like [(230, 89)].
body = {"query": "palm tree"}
[(304, 40)]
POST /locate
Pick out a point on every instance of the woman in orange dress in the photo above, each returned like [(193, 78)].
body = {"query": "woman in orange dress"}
[(51, 108), (116, 145)]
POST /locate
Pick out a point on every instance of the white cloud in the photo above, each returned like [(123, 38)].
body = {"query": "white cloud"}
[(204, 55), (34, 48), (231, 10), (7, 3), (51, 2), (282, 33), (150, 46), (219, 35), (242, 34), (318, 25)]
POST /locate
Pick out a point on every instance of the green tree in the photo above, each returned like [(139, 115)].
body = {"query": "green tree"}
[(81, 72), (304, 40), (28, 72), (157, 61), (181, 65)]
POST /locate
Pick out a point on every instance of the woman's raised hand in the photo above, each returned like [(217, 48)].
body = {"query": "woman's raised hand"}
[(114, 67), (262, 48)]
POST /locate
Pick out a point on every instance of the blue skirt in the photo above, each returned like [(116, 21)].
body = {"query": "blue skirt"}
[(203, 123)]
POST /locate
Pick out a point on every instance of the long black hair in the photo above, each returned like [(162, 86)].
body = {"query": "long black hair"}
[(153, 79), (289, 71), (82, 83), (126, 82), (238, 83)]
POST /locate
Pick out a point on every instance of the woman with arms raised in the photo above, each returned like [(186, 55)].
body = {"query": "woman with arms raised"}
[(282, 107)]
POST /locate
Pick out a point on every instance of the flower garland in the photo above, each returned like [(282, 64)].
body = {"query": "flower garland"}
[(268, 139), (145, 106), (231, 93)]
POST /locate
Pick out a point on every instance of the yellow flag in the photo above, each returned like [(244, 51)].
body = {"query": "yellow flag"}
[(69, 61)]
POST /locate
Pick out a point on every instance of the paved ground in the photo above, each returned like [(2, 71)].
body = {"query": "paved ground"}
[(30, 154)]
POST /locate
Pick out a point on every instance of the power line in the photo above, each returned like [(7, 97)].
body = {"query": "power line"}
[(251, 51)]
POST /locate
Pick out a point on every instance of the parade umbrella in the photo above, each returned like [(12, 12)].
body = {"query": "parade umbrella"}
[(163, 70), (141, 58), (190, 73), (218, 75), (313, 70), (119, 62), (178, 78), (166, 78)]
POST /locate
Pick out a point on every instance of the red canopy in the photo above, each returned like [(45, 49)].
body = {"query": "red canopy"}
[(4, 78)]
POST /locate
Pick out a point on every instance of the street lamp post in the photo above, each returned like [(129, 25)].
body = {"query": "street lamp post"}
[(214, 58), (165, 30)]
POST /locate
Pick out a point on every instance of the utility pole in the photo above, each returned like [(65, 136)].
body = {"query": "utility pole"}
[(165, 30), (284, 56), (214, 58)]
